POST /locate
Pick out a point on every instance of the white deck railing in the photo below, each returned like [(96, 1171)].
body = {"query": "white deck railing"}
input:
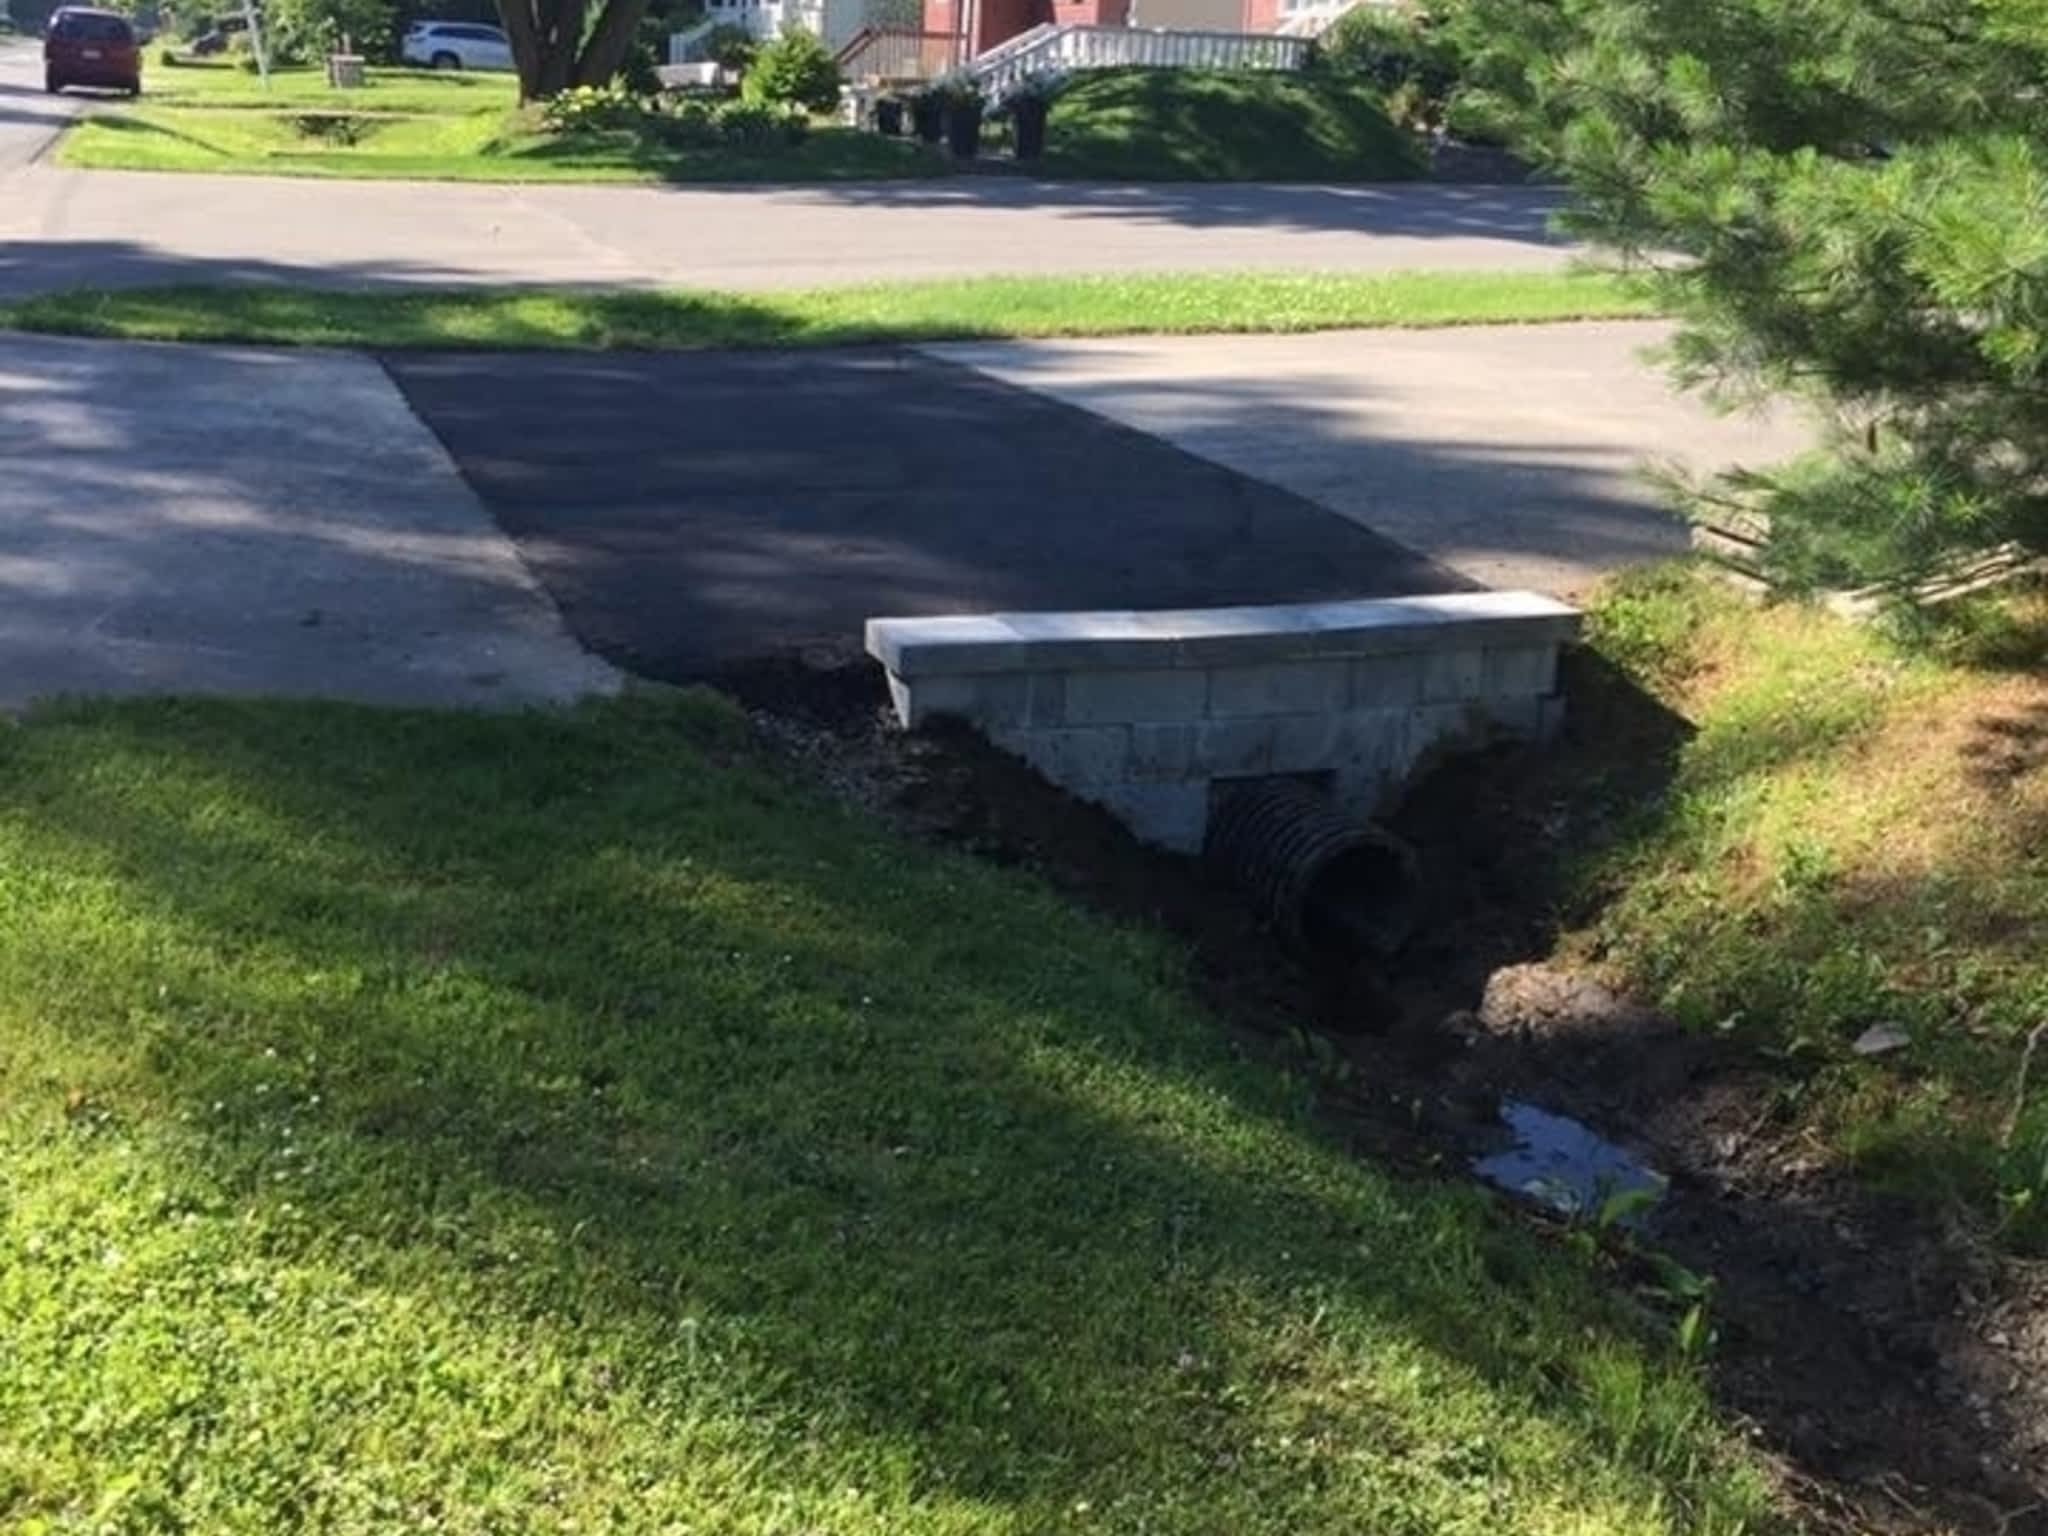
[(761, 19), (1061, 50), (892, 55)]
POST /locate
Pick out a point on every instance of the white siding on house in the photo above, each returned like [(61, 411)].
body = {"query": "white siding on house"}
[(835, 21), (1189, 15)]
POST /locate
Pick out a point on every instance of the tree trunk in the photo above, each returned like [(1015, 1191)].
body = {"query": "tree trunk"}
[(561, 33), (609, 40), (524, 36), (548, 46)]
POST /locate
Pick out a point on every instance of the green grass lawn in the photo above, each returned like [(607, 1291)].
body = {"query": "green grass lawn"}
[(571, 1123), (487, 144), (1212, 125), (421, 125), (424, 125), (928, 311), (219, 84), (1857, 834)]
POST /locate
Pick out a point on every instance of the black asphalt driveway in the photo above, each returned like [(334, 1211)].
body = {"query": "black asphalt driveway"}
[(695, 512)]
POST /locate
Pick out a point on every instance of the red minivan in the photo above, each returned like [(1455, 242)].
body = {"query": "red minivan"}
[(96, 48)]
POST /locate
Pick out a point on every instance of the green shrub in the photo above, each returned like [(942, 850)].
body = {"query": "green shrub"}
[(795, 70), (743, 125), (595, 109), (310, 29), (1404, 53), (758, 125), (690, 124), (958, 91), (730, 46), (1477, 118)]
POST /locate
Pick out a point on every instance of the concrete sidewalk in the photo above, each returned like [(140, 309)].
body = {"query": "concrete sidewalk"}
[(193, 520), (1511, 454)]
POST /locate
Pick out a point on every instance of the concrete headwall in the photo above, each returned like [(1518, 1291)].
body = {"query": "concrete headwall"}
[(1145, 713)]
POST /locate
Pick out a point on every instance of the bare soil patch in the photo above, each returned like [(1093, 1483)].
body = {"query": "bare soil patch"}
[(1894, 1366)]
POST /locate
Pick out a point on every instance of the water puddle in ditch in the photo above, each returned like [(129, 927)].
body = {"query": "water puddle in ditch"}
[(1557, 1163)]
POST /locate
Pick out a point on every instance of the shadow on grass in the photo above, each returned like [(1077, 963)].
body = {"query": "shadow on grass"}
[(828, 154), (960, 1183), (1199, 125), (146, 131)]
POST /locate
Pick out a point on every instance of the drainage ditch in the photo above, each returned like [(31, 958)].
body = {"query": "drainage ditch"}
[(1851, 1331)]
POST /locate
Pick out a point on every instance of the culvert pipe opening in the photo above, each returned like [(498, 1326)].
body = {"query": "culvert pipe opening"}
[(1328, 884)]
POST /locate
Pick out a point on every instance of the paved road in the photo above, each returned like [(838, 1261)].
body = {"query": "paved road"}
[(226, 521), (29, 119), (696, 512), (64, 228), (1512, 454), (67, 228)]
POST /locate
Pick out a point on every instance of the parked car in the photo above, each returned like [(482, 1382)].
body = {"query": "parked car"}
[(456, 45), (92, 48), (218, 37)]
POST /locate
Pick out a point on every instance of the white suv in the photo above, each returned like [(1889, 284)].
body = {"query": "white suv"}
[(456, 45)]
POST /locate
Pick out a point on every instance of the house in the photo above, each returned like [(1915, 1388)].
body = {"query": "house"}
[(987, 24), (835, 21), (921, 37)]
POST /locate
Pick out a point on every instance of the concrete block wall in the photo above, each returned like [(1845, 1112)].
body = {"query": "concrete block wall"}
[(1145, 713)]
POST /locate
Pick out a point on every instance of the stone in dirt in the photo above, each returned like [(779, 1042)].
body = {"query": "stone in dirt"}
[(1881, 1040)]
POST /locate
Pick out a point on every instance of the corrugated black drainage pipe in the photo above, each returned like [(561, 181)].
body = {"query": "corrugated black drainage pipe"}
[(1335, 888)]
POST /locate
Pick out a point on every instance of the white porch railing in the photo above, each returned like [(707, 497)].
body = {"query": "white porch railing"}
[(683, 45), (762, 19), (892, 55), (1060, 50), (1023, 42)]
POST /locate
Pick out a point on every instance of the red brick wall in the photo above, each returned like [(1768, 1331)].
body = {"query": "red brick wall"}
[(998, 20), (1092, 13)]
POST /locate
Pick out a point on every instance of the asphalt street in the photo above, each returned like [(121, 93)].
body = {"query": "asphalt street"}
[(64, 229)]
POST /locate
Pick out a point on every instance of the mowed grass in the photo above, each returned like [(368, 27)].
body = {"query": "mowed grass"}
[(469, 145), (570, 1123), (1856, 835), (1224, 125), (159, 138), (926, 311), (211, 83), (1148, 125)]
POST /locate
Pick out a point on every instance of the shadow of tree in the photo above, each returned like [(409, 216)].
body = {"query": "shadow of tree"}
[(948, 1181)]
